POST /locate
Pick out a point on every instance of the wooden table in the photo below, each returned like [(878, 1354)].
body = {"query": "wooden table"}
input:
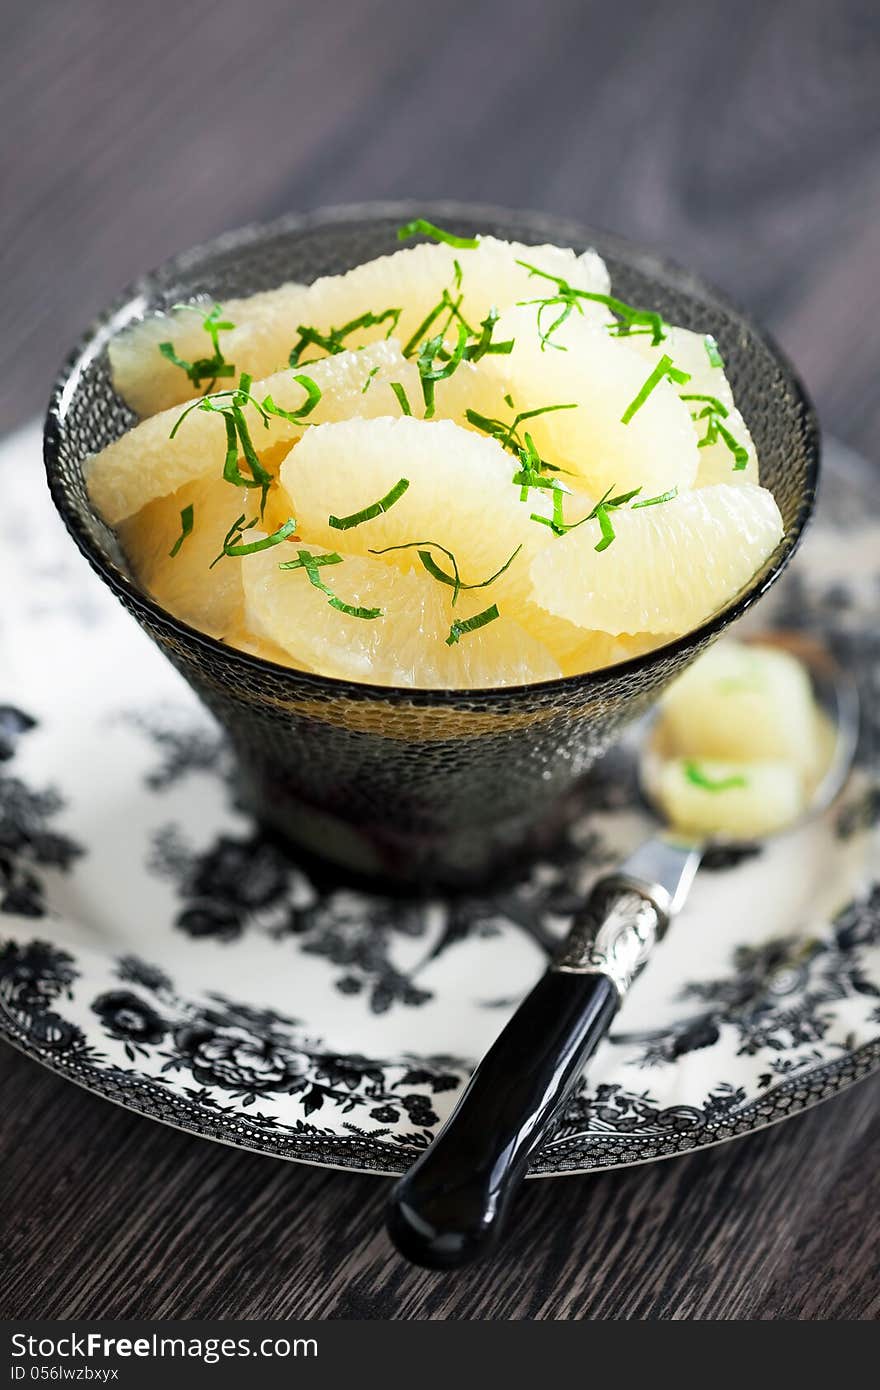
[(743, 138)]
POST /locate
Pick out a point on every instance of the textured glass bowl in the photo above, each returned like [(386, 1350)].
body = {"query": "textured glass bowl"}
[(415, 785)]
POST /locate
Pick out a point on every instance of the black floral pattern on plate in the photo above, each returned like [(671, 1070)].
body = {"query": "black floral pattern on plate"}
[(28, 844), (779, 995)]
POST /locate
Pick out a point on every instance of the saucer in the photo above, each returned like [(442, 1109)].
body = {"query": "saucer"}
[(159, 950)]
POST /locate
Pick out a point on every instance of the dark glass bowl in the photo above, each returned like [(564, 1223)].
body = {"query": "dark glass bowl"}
[(415, 786)]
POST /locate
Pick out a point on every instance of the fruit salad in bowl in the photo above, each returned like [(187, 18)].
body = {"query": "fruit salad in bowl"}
[(426, 504), (466, 463)]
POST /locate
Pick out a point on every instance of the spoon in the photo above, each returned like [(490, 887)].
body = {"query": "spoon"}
[(451, 1206)]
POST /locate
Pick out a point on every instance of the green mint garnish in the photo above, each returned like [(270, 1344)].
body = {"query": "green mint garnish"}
[(345, 523), (508, 434), (664, 368), (713, 352), (204, 368), (474, 351), (454, 580), (419, 227), (445, 305), (186, 526), (526, 478), (694, 774), (232, 541), (464, 625), (310, 561), (739, 451), (714, 412), (230, 404), (653, 501), (369, 381), (402, 398), (599, 513), (446, 302), (605, 527), (251, 547), (231, 472), (333, 341), (430, 373), (530, 474), (631, 320), (313, 395), (233, 536), (715, 406), (312, 564)]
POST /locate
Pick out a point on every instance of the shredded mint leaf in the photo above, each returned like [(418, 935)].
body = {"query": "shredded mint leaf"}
[(402, 398), (312, 564), (605, 505), (654, 501), (454, 580), (233, 536), (739, 451), (664, 368), (713, 352), (426, 324), (251, 547), (333, 341), (259, 476), (445, 305), (430, 373), (313, 396), (695, 774), (630, 319), (714, 412), (508, 434), (605, 527), (230, 405), (474, 351), (204, 368), (315, 561), (345, 523), (714, 406), (186, 526), (419, 227), (465, 625)]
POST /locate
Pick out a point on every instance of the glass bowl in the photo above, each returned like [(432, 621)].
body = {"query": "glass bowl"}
[(416, 786)]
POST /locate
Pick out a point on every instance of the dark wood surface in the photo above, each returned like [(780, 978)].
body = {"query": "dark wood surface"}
[(743, 138)]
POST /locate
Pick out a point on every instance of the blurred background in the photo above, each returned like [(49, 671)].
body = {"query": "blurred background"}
[(739, 136)]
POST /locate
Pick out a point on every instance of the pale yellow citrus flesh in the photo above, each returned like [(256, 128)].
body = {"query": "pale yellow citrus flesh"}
[(459, 495), (600, 376), (210, 599), (405, 646), (739, 745), (149, 382), (669, 567), (146, 462), (267, 325), (566, 603), (745, 800), (743, 702), (688, 351)]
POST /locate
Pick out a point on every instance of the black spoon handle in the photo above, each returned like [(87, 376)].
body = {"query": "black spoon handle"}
[(451, 1206)]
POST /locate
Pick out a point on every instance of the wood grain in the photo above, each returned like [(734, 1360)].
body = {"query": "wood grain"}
[(742, 138), (110, 1215)]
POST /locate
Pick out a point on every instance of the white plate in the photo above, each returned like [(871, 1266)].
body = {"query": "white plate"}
[(157, 950)]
